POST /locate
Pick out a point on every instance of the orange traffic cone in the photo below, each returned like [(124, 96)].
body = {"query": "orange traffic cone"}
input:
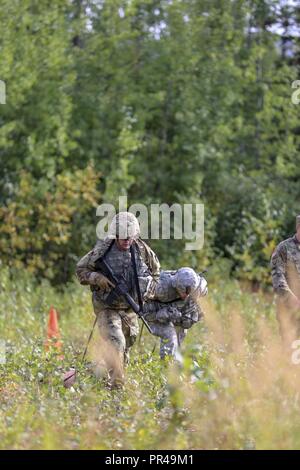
[(53, 335)]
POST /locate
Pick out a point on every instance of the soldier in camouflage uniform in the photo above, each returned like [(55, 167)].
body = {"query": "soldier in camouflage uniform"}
[(285, 266), (118, 324), (177, 307)]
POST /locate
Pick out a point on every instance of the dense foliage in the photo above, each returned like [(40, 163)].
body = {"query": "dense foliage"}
[(164, 100)]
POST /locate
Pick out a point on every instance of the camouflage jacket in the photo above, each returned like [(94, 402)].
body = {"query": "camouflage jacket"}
[(285, 268), (168, 307), (165, 290), (148, 269)]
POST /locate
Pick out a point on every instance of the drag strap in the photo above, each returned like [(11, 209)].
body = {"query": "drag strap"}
[(136, 279)]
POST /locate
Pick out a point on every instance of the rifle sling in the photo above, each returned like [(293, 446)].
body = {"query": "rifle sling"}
[(136, 279)]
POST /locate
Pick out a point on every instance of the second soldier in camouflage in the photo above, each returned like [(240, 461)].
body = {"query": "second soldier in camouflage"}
[(176, 309), (285, 268)]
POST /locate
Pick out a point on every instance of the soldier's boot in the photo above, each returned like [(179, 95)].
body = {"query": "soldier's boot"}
[(118, 383), (117, 380)]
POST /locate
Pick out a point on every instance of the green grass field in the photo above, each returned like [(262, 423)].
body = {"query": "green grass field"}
[(235, 390)]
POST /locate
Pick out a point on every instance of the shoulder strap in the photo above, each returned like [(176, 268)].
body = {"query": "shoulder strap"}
[(136, 279), (149, 257)]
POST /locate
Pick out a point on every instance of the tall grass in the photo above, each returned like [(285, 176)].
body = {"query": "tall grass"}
[(235, 390)]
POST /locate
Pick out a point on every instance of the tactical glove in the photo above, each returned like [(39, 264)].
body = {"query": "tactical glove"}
[(98, 279), (168, 314)]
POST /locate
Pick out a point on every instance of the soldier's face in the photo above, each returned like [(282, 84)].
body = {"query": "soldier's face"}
[(124, 243), (184, 294)]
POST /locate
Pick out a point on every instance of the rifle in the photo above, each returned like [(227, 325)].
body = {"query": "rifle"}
[(120, 289)]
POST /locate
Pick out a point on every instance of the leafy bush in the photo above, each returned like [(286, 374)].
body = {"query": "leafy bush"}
[(47, 224)]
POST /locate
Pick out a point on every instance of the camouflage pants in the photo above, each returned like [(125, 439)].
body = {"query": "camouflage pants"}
[(118, 331), (171, 337), (289, 324)]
